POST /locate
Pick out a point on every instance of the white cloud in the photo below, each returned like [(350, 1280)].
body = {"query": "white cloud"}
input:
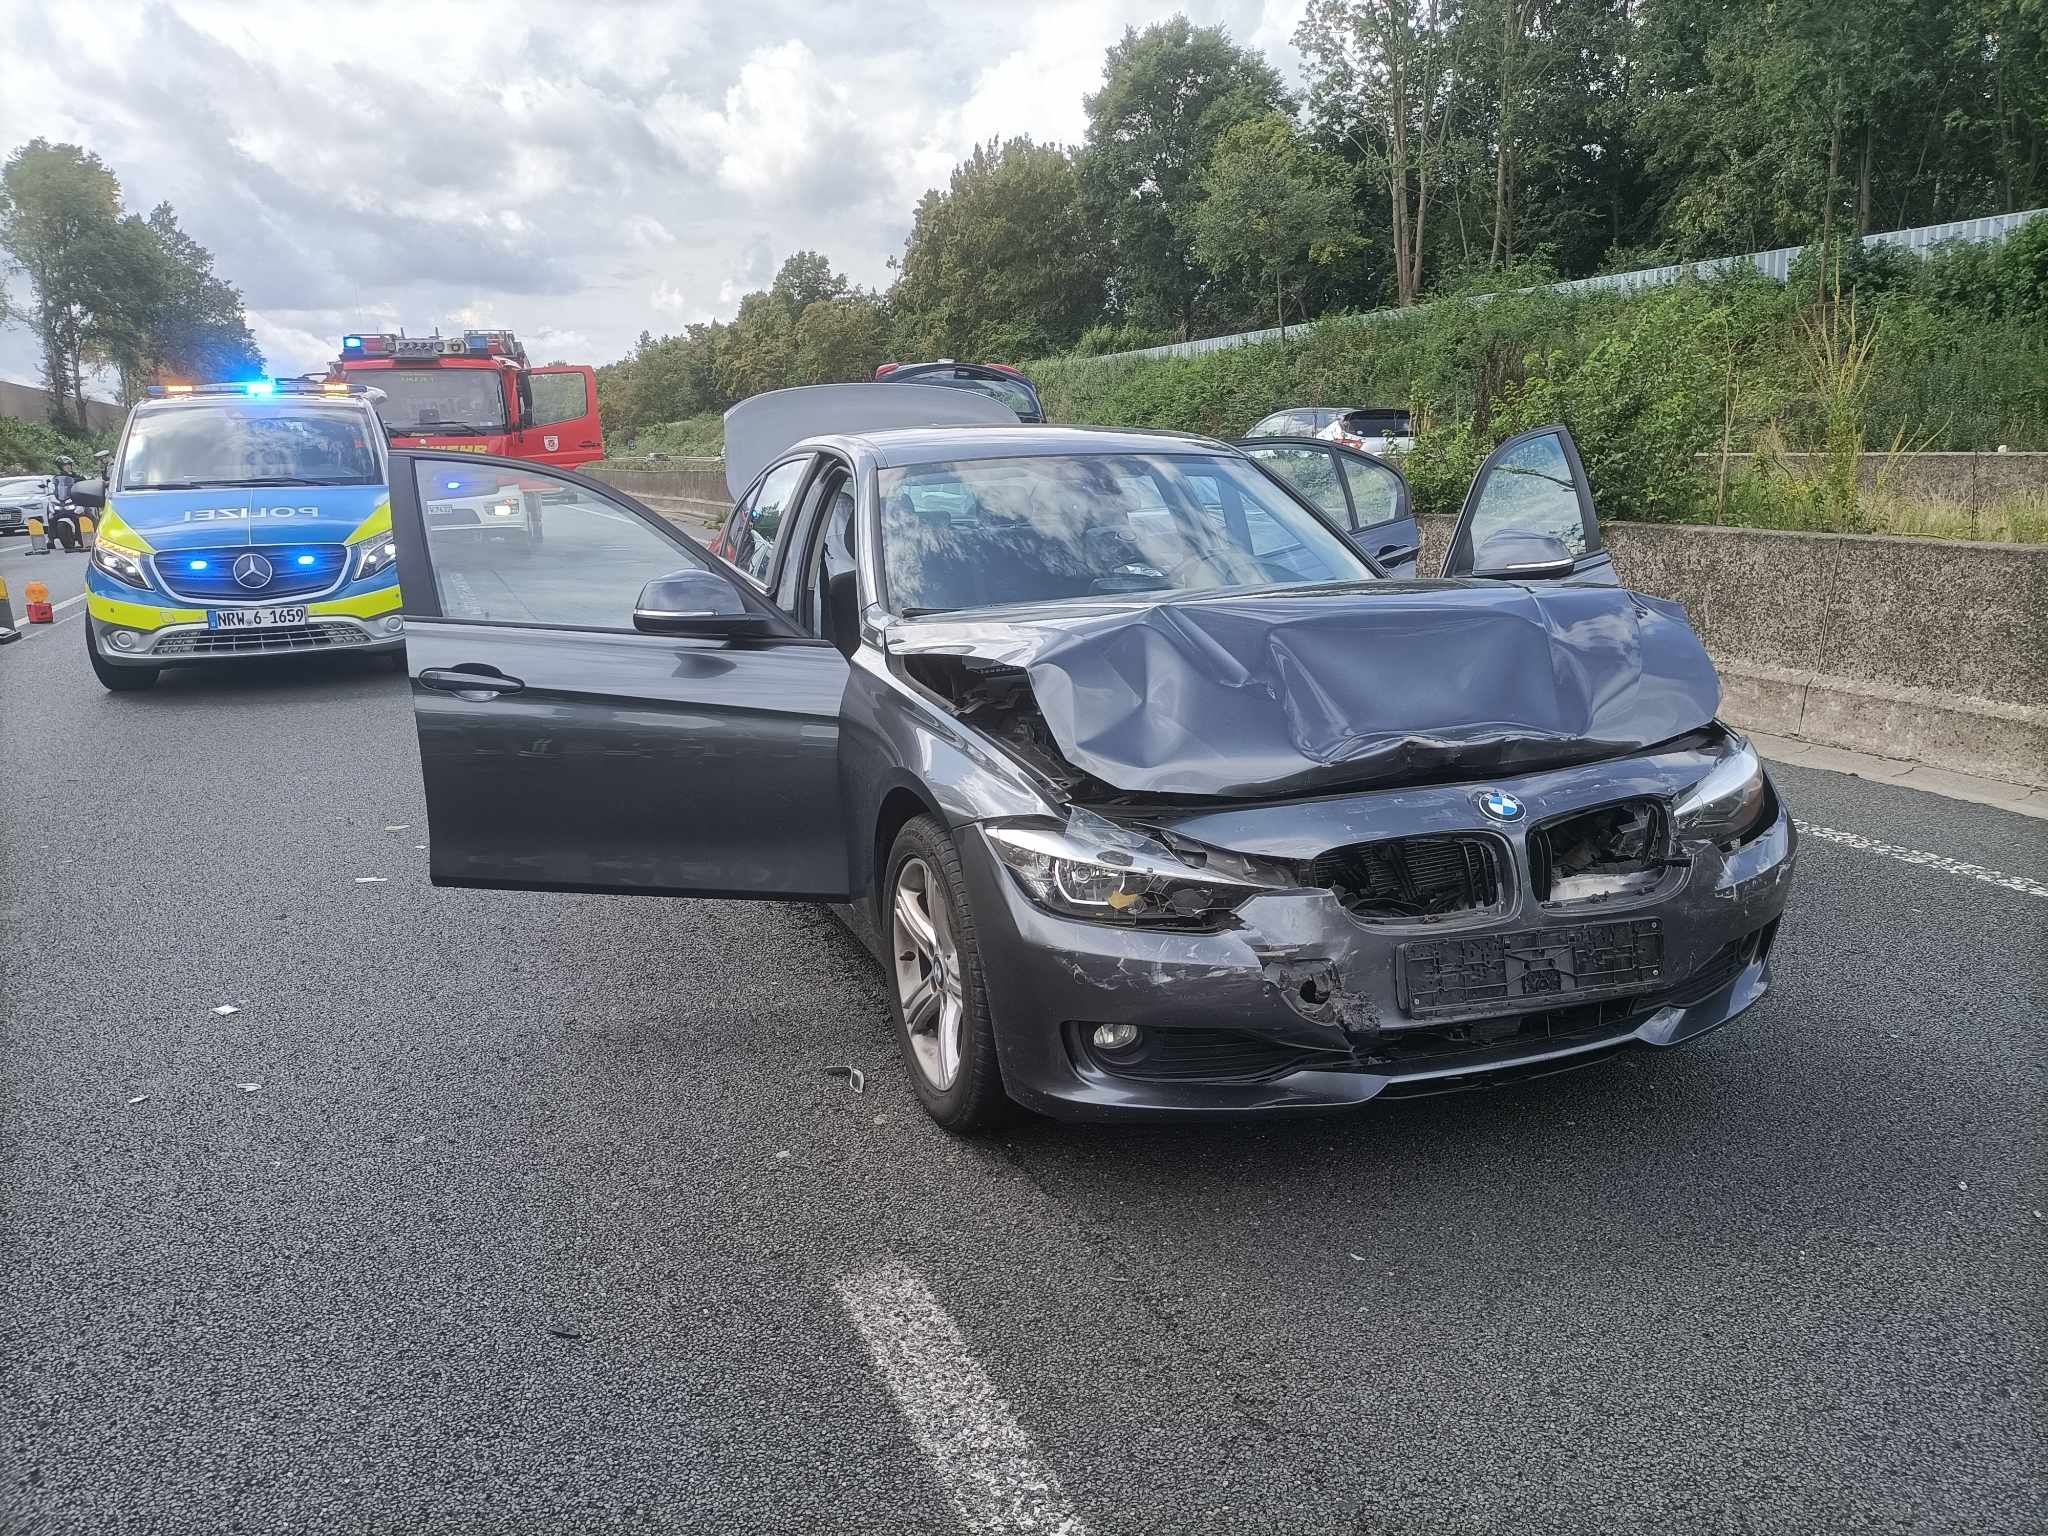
[(576, 174)]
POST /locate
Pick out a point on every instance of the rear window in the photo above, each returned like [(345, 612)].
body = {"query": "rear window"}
[(248, 442), (1014, 393)]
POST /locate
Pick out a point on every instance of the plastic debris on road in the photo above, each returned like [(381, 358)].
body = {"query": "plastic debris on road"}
[(853, 1075), (226, 1008), (371, 880), (140, 1098), (248, 1087), (402, 826)]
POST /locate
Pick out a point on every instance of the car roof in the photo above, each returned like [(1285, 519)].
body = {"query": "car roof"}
[(188, 402), (904, 446)]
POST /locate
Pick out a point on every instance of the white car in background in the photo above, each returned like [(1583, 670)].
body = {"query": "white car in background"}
[(23, 497), (1374, 429)]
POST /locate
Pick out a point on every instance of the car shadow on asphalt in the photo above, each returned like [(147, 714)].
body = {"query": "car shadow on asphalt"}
[(1634, 1120), (282, 675)]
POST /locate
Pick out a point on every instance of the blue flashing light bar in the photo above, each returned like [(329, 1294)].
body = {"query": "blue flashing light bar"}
[(351, 343), (262, 389)]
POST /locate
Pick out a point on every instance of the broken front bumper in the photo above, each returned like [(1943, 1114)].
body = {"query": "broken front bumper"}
[(1300, 1005)]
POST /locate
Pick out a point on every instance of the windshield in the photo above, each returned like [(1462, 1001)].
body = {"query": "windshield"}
[(985, 532), (436, 401), (235, 442)]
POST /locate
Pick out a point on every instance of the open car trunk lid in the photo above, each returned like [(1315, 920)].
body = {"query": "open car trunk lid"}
[(761, 427)]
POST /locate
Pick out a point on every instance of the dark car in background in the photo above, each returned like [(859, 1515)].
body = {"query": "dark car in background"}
[(998, 381), (1147, 790)]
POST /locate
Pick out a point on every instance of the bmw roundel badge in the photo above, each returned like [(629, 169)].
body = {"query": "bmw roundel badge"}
[(1499, 804)]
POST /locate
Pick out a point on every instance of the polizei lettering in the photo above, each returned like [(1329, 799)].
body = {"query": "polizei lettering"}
[(223, 514)]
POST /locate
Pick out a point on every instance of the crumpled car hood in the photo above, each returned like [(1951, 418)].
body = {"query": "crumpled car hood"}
[(1302, 690)]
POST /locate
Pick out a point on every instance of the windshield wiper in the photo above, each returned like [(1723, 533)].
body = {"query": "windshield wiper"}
[(434, 429), (924, 613), (273, 480)]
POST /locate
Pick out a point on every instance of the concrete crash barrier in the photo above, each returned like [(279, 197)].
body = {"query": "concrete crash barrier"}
[(692, 495), (1927, 650)]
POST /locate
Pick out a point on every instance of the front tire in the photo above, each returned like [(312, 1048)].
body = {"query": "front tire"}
[(117, 679), (943, 1026)]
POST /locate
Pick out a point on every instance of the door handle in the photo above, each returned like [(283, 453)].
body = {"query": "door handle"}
[(1394, 554), (469, 685)]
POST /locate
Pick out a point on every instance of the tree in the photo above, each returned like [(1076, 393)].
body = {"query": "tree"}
[(60, 215), (839, 341), (139, 294), (1272, 205), (1168, 95), (758, 351), (1004, 262), (1385, 76), (804, 280), (191, 323)]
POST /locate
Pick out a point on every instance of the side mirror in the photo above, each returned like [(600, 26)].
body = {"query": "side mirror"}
[(90, 493), (525, 392), (697, 604), (842, 611), (1514, 556)]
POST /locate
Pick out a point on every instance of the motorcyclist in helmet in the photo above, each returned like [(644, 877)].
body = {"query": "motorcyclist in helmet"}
[(63, 515)]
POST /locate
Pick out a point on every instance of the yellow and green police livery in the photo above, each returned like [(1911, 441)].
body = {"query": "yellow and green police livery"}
[(243, 521)]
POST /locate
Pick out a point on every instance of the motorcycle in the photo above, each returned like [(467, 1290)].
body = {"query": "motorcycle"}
[(63, 526)]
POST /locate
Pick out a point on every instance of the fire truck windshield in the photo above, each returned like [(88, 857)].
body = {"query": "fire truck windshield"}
[(438, 400)]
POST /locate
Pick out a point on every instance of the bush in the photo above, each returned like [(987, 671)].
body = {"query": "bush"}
[(1645, 381), (31, 447), (700, 436), (2022, 272)]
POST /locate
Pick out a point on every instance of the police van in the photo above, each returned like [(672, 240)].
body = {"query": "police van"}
[(240, 521)]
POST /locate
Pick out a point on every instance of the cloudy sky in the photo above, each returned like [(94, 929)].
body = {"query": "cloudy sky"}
[(576, 171)]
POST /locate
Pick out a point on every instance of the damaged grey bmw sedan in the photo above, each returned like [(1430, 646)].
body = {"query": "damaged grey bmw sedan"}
[(1148, 790)]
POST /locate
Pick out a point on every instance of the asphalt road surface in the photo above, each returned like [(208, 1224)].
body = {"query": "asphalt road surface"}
[(513, 1213)]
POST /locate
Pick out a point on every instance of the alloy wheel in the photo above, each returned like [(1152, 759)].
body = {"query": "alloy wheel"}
[(927, 973)]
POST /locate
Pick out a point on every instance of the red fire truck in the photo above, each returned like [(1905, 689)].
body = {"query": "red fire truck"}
[(476, 393)]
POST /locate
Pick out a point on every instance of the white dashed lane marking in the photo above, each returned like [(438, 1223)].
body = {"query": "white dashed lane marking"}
[(986, 1463), (2020, 883)]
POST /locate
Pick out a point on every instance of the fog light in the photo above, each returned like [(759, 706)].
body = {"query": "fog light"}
[(1115, 1037), (124, 639), (393, 625), (503, 509)]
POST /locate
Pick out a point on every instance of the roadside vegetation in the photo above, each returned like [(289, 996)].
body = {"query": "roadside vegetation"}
[(1860, 352)]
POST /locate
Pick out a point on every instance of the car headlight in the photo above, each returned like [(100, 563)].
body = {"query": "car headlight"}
[(1091, 868), (1729, 803), (373, 555), (123, 565)]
